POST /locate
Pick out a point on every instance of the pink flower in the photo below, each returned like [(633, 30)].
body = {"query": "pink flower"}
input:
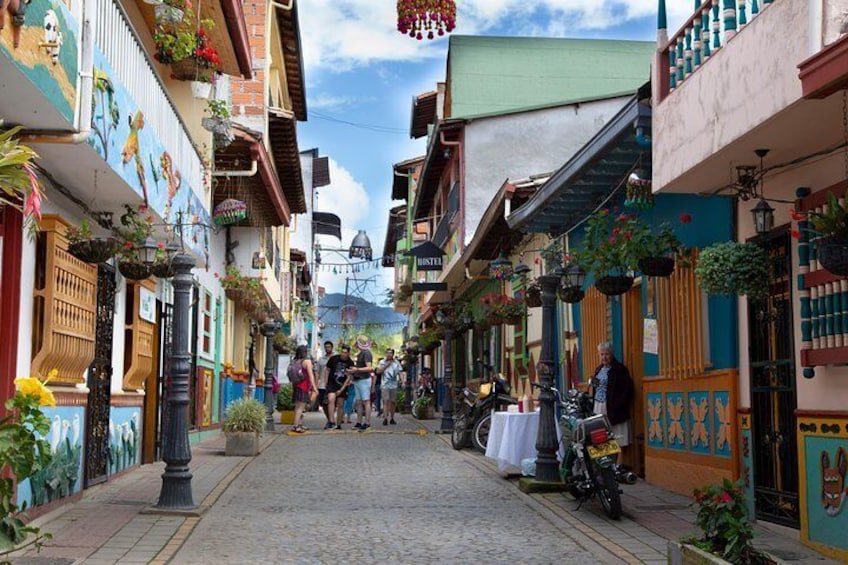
[(32, 205), (616, 231), (612, 239), (724, 498), (142, 207)]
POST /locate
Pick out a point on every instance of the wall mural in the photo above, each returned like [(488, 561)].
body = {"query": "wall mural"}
[(675, 412), (824, 472), (40, 38), (62, 477), (135, 152), (699, 422), (124, 438), (656, 432), (696, 421)]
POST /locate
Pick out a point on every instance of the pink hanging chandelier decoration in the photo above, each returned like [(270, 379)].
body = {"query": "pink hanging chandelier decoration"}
[(426, 18)]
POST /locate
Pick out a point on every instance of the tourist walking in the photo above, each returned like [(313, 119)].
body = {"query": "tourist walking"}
[(389, 371), (304, 385), (322, 381), (363, 382), (612, 389), (338, 386)]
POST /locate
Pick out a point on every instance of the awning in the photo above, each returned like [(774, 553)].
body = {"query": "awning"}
[(282, 132), (400, 173), (287, 20), (423, 113), (434, 164), (266, 204), (591, 174), (395, 231), (327, 224)]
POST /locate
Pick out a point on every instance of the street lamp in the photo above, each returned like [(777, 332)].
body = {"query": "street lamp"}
[(763, 217), (547, 467), (361, 246), (176, 480), (447, 377), (268, 330)]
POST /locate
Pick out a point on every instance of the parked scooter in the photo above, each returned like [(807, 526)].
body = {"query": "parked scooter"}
[(588, 466), (472, 416)]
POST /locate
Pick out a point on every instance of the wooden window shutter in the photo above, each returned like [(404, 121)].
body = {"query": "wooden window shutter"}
[(595, 324), (141, 339)]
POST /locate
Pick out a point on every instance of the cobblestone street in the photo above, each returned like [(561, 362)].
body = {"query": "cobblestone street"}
[(394, 497)]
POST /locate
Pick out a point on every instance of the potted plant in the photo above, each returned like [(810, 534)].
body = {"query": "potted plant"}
[(284, 343), (609, 252), (169, 13), (733, 268), (657, 251), (232, 283), (244, 420), (134, 233), (218, 123), (830, 235), (18, 179), (726, 529), (285, 404), (533, 294), (85, 247), (422, 408), (502, 309), (431, 339), (638, 193), (185, 45)]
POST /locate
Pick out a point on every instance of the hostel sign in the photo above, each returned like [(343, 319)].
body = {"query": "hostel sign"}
[(428, 256)]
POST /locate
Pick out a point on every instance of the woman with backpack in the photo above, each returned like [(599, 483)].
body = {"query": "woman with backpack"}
[(302, 378)]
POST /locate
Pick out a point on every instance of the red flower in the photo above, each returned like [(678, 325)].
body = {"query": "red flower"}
[(724, 498), (128, 245), (796, 234), (685, 218), (142, 207), (612, 239), (628, 236), (797, 216), (616, 231), (622, 218)]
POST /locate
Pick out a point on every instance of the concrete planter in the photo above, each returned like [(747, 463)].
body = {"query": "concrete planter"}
[(242, 444), (685, 554)]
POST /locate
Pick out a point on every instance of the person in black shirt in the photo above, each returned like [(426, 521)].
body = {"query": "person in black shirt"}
[(338, 381)]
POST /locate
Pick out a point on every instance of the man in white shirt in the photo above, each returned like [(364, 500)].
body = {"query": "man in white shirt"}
[(390, 372)]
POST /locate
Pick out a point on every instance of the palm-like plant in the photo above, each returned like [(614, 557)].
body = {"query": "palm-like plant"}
[(19, 185)]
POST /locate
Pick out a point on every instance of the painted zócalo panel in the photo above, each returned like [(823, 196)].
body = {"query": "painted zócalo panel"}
[(44, 49), (124, 438), (63, 476), (823, 443), (136, 154), (656, 430)]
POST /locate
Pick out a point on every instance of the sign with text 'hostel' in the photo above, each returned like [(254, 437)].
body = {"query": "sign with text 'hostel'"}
[(428, 256)]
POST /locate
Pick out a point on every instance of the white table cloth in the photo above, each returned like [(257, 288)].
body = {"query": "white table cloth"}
[(512, 438)]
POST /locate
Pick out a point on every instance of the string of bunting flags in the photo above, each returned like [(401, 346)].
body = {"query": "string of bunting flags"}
[(363, 324)]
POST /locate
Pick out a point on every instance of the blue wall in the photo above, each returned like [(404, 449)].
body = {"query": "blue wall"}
[(712, 221)]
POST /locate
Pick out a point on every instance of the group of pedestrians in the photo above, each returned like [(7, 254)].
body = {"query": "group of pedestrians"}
[(347, 385)]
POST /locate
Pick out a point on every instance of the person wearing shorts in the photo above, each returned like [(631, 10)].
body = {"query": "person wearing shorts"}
[(363, 382), (338, 382), (389, 371)]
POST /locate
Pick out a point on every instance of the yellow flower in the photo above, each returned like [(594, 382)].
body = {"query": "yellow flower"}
[(33, 386)]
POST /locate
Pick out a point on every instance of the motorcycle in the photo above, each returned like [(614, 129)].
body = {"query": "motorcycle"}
[(590, 451), (472, 416)]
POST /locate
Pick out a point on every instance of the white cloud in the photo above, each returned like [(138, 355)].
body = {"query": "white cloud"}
[(339, 35), (334, 102)]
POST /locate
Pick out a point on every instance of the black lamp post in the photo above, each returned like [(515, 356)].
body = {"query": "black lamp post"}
[(176, 480), (268, 330), (447, 378), (547, 467)]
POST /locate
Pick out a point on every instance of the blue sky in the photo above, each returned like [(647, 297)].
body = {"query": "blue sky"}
[(360, 69)]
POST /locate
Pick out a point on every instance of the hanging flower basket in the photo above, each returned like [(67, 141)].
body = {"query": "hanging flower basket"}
[(168, 15), (512, 320), (94, 250), (533, 296), (222, 131), (189, 69), (201, 89), (639, 194), (657, 266), (234, 294), (732, 268), (134, 271), (570, 294), (482, 325), (833, 256), (162, 270), (613, 285), (494, 319), (426, 18), (229, 212)]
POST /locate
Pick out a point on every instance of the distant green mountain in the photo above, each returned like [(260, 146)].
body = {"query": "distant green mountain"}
[(362, 317)]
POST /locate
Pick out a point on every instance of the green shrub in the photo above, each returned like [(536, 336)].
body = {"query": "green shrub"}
[(733, 268), (245, 415), (284, 398)]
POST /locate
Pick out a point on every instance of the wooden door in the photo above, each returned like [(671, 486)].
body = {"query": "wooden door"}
[(633, 326)]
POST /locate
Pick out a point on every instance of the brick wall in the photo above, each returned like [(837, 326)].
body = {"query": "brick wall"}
[(247, 95)]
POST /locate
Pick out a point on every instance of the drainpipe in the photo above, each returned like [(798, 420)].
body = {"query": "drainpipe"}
[(82, 128), (254, 167)]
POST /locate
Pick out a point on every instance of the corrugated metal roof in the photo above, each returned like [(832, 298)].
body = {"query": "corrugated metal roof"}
[(499, 74)]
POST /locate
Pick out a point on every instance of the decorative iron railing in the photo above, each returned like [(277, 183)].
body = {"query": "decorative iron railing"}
[(116, 38), (713, 24)]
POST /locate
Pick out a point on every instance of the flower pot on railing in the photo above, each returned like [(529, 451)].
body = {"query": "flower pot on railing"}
[(168, 15), (133, 271), (201, 89), (833, 256), (94, 250), (570, 294), (657, 266), (614, 285)]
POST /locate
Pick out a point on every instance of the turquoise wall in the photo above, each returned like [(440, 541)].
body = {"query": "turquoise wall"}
[(712, 221)]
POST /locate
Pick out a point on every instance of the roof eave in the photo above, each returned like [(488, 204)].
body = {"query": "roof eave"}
[(237, 28), (443, 126)]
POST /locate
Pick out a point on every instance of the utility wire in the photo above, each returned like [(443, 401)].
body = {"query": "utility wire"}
[(369, 127)]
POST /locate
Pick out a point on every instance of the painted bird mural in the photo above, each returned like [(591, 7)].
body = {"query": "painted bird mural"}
[(131, 151)]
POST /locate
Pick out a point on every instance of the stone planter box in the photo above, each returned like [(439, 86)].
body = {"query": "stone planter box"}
[(685, 554), (242, 444)]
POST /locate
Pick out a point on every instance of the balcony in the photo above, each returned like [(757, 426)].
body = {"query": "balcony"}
[(252, 243), (726, 85)]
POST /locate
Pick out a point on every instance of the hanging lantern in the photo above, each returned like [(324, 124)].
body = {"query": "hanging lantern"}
[(501, 268), (426, 18), (229, 212)]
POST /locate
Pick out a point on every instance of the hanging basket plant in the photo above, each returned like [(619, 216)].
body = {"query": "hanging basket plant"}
[(614, 285), (570, 294), (134, 271), (833, 256), (533, 294), (218, 123), (733, 268), (426, 18), (229, 212), (656, 266), (829, 232), (85, 247), (167, 15), (639, 194)]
